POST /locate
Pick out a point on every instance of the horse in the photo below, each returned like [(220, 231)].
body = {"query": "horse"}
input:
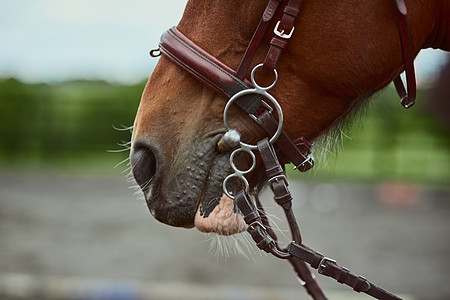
[(342, 53), (336, 55)]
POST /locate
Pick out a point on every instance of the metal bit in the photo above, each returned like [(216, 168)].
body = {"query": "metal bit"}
[(229, 141)]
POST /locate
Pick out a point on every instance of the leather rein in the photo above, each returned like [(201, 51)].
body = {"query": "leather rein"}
[(260, 106)]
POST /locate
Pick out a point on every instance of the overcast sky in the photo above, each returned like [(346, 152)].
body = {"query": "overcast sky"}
[(52, 40)]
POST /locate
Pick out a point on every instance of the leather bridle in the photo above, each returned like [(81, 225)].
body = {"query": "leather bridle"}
[(260, 105)]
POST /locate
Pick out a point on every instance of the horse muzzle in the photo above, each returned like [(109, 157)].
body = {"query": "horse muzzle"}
[(178, 184), (147, 165)]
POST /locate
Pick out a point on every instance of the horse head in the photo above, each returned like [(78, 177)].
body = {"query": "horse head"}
[(340, 54)]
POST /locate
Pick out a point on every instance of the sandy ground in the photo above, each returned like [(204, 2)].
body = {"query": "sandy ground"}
[(65, 235)]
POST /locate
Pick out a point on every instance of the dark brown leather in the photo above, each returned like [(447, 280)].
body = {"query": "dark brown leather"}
[(286, 25), (275, 175), (200, 63), (256, 229), (257, 38), (408, 97), (290, 151), (330, 268)]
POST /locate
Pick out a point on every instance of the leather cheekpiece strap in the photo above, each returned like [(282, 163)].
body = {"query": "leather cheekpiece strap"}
[(282, 33), (257, 38)]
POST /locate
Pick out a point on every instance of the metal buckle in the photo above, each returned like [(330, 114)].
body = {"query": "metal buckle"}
[(155, 52), (255, 224), (281, 33), (322, 263), (310, 158), (406, 102), (276, 178), (266, 105)]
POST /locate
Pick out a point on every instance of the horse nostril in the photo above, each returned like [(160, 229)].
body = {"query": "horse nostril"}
[(143, 165)]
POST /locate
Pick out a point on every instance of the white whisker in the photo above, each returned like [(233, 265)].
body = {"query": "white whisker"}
[(227, 246), (118, 151), (123, 128), (122, 162)]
